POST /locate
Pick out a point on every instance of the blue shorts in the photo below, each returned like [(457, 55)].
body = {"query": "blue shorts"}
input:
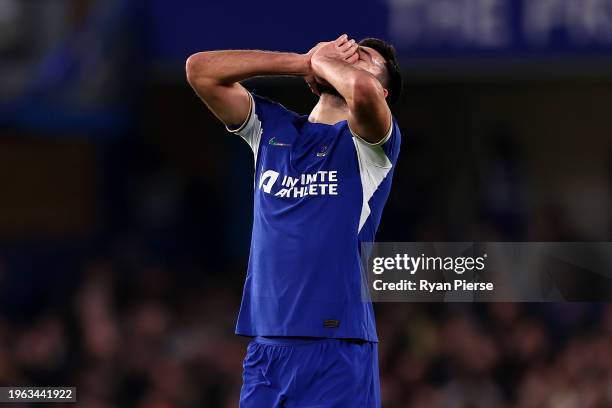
[(313, 373)]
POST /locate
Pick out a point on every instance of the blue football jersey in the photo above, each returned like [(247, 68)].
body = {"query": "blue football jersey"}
[(319, 193)]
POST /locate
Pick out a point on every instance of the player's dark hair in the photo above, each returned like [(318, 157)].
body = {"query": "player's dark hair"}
[(394, 87)]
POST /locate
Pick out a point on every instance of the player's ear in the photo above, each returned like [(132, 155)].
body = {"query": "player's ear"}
[(386, 92)]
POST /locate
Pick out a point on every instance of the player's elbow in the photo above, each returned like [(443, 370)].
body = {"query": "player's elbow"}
[(195, 69), (191, 67), (366, 90)]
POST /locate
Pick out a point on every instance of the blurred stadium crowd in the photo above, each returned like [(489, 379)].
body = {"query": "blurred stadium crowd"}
[(136, 335), (121, 272)]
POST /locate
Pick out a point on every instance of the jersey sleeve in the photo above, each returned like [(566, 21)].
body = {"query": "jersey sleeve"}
[(262, 111), (376, 161), (382, 154)]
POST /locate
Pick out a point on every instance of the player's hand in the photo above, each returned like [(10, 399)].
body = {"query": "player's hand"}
[(310, 77), (341, 48)]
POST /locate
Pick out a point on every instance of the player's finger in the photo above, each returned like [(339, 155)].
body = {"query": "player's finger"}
[(353, 48), (345, 47), (353, 58), (350, 50), (341, 40)]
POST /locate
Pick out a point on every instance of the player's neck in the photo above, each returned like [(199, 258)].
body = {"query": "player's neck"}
[(330, 110)]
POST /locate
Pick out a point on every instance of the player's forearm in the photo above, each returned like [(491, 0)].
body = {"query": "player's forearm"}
[(355, 85), (227, 67)]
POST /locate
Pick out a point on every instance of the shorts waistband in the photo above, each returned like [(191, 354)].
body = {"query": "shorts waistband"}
[(287, 341), (292, 340)]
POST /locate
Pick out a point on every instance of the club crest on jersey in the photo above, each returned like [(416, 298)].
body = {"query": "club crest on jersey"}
[(313, 184), (322, 151), (273, 142)]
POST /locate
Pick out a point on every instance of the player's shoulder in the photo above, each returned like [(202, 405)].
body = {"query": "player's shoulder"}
[(394, 140), (397, 130)]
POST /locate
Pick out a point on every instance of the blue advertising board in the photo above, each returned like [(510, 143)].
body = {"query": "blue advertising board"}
[(449, 28), (444, 36)]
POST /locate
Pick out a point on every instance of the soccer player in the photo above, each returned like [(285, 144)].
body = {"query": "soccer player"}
[(321, 182)]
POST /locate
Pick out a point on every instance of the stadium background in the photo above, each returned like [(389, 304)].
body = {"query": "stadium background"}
[(125, 209)]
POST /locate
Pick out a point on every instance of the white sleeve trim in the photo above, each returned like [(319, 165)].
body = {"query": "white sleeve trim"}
[(251, 129), (384, 139), (248, 118), (374, 166)]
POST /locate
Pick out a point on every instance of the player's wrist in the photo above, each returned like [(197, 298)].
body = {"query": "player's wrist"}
[(304, 62), (317, 64)]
